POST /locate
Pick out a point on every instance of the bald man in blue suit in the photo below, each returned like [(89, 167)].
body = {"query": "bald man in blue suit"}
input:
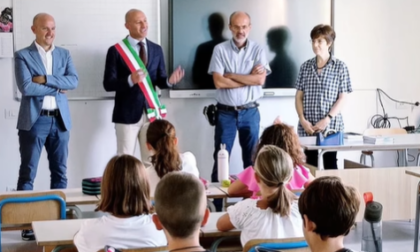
[(43, 75)]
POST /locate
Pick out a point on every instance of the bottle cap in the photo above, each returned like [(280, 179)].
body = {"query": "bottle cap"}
[(368, 197), (373, 211)]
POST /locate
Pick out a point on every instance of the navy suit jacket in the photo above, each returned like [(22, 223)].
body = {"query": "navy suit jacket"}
[(28, 63), (130, 101)]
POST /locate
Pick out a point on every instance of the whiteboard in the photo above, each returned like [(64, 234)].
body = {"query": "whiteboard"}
[(87, 29)]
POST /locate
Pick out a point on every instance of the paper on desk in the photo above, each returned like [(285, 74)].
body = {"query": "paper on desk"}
[(6, 45)]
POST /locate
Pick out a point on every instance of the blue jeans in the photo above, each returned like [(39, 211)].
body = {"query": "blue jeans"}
[(51, 133), (247, 123)]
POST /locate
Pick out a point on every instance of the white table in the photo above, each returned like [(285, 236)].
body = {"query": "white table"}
[(401, 142), (210, 229), (50, 234)]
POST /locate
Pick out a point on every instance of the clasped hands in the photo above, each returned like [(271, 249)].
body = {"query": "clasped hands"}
[(175, 77), (41, 80), (320, 126)]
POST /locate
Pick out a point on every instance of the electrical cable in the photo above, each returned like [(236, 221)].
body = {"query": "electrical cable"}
[(383, 121)]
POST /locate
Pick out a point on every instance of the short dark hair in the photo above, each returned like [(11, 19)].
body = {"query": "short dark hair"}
[(179, 200), (324, 31), (331, 205), (125, 187)]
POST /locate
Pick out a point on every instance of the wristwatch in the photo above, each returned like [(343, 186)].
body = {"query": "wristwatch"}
[(330, 116)]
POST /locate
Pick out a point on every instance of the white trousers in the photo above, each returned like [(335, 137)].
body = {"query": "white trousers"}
[(129, 134)]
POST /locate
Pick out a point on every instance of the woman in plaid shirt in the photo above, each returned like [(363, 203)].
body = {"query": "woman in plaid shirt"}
[(322, 87)]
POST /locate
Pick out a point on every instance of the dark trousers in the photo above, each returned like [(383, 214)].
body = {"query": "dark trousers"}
[(330, 159), (50, 132), (247, 123)]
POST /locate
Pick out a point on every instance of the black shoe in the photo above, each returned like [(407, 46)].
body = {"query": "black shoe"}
[(28, 235)]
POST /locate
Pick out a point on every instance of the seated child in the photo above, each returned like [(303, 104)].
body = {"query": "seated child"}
[(125, 196), (181, 209), (276, 214), (162, 141), (328, 209), (286, 138)]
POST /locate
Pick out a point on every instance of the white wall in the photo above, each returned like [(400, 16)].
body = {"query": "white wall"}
[(92, 140)]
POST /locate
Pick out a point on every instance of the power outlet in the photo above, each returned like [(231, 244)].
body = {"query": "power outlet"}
[(400, 105), (10, 114), (10, 188)]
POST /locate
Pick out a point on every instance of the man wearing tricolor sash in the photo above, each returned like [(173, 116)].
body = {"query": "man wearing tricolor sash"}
[(134, 67)]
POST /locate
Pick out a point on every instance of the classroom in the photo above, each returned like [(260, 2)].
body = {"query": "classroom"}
[(376, 39)]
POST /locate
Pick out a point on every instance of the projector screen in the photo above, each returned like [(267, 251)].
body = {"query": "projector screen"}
[(282, 27)]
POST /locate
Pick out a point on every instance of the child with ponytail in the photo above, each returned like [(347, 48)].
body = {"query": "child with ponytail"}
[(163, 143), (276, 214)]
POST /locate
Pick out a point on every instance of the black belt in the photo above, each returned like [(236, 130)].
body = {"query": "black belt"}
[(236, 108), (54, 113)]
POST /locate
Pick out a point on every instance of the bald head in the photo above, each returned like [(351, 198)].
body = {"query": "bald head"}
[(136, 24), (44, 29), (240, 25), (41, 16), (239, 15)]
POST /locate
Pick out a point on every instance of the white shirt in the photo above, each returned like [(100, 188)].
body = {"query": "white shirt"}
[(49, 102), (256, 223), (189, 164), (133, 232)]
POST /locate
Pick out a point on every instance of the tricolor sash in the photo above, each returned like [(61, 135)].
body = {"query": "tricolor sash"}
[(133, 61)]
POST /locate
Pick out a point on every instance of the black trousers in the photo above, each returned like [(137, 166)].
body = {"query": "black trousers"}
[(330, 159)]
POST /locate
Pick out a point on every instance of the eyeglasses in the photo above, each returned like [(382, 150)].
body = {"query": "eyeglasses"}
[(318, 41)]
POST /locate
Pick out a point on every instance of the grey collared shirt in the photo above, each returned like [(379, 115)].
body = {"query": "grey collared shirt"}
[(228, 58)]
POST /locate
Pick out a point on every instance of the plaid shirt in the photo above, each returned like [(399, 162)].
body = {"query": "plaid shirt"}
[(321, 91)]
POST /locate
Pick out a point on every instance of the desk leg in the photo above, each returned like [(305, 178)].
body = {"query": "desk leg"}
[(321, 159), (416, 229)]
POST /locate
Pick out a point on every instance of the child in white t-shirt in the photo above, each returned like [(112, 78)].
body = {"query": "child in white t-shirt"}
[(276, 214), (163, 143), (125, 196)]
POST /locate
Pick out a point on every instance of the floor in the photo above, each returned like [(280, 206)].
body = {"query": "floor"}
[(398, 236)]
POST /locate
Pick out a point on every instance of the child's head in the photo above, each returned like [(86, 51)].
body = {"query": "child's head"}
[(273, 169), (328, 208), (161, 138), (124, 188), (181, 205), (283, 136)]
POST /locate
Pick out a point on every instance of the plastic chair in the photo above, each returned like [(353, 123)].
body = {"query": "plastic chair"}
[(377, 132), (287, 244), (19, 209)]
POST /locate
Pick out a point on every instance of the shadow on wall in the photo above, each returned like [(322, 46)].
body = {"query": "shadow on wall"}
[(201, 79), (283, 68)]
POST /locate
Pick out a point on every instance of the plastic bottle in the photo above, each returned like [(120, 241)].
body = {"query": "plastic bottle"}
[(223, 163), (372, 228)]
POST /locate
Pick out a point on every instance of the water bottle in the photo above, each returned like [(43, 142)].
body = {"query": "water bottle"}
[(372, 228), (223, 163)]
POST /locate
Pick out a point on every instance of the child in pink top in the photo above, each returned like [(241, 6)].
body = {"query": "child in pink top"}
[(286, 138)]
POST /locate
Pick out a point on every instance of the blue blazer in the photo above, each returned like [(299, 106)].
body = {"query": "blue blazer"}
[(28, 64), (130, 101)]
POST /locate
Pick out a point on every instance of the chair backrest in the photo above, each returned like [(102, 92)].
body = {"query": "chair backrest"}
[(148, 249), (384, 131), (36, 207), (297, 244)]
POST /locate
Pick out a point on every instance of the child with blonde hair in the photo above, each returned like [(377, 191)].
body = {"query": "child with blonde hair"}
[(276, 214)]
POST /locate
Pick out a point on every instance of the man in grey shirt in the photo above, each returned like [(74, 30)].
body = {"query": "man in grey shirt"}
[(239, 67)]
